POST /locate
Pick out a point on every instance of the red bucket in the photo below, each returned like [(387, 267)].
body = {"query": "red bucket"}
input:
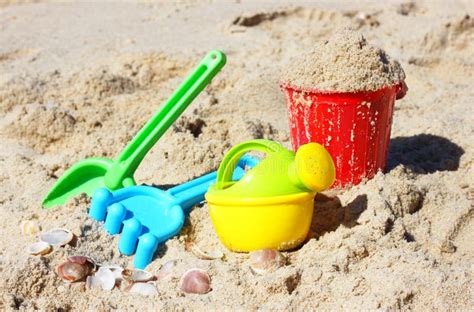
[(353, 127)]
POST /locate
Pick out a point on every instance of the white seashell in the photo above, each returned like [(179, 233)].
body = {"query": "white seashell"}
[(195, 281), (29, 227), (166, 269), (144, 289), (107, 278), (137, 275), (39, 248), (92, 282), (266, 260), (211, 255), (116, 269), (103, 278), (57, 237)]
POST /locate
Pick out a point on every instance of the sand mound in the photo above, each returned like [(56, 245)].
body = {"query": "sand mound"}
[(454, 35), (65, 107), (346, 63), (39, 126)]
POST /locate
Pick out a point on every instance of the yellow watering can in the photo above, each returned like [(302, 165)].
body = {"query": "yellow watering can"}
[(271, 207)]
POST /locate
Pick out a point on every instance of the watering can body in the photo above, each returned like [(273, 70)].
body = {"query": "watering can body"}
[(271, 207)]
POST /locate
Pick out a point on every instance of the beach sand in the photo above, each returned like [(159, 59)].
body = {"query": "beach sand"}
[(79, 80)]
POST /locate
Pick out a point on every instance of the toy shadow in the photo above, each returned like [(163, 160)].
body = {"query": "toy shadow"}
[(329, 213), (163, 187), (424, 153)]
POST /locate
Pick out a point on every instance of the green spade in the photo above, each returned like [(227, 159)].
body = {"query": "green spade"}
[(90, 174)]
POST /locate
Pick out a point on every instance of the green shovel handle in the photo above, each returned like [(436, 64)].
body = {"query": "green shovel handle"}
[(127, 162), (231, 159)]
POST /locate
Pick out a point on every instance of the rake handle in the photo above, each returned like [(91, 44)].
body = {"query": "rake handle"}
[(191, 193)]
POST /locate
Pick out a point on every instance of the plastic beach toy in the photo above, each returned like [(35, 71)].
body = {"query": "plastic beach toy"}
[(353, 127), (90, 174), (146, 216), (272, 205)]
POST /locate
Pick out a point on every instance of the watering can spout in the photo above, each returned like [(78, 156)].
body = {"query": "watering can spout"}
[(313, 168)]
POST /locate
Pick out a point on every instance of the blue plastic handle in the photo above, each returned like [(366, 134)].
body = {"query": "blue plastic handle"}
[(191, 193)]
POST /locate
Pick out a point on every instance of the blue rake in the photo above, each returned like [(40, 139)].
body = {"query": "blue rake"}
[(146, 216)]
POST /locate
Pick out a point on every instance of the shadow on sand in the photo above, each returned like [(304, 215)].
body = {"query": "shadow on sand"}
[(329, 213), (424, 153)]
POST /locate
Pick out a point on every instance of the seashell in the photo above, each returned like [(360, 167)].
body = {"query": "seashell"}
[(266, 260), (195, 281), (116, 269), (166, 269), (212, 255), (29, 227), (39, 248), (144, 289), (72, 271), (103, 278), (57, 237), (137, 275), (92, 282), (83, 260)]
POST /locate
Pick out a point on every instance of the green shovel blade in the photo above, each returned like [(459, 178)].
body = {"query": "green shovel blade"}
[(89, 174), (83, 177)]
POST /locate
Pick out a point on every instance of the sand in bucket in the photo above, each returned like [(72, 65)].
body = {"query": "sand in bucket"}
[(341, 95)]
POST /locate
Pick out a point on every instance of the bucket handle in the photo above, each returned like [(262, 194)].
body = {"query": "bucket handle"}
[(401, 89), (231, 159)]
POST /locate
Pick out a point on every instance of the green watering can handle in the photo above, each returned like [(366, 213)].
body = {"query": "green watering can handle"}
[(231, 159), (127, 162)]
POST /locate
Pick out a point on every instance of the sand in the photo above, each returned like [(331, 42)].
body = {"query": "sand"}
[(79, 80), (345, 62)]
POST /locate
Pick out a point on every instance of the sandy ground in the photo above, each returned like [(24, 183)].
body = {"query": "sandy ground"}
[(78, 80)]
